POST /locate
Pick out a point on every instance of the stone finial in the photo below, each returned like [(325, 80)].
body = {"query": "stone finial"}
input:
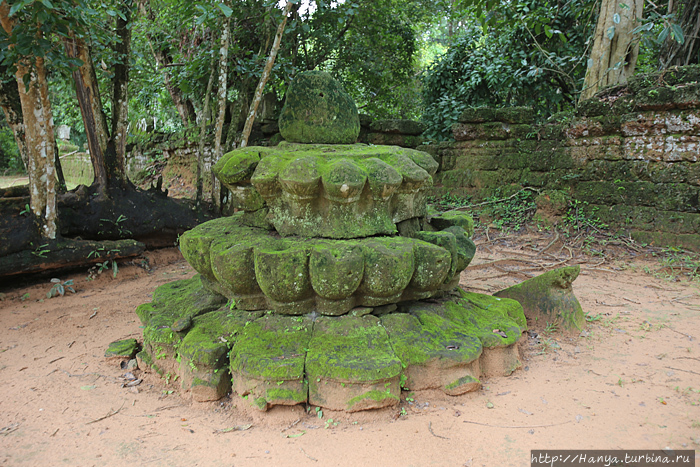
[(318, 110)]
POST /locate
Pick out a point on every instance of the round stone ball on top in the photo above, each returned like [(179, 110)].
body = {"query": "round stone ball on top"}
[(318, 110)]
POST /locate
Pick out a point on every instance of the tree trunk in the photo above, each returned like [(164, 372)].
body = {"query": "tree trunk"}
[(615, 50), (94, 120), (184, 107), (237, 110), (263, 78), (60, 178), (203, 118), (116, 155), (39, 134), (221, 101)]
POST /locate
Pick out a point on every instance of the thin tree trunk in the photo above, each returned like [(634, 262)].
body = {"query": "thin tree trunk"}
[(94, 119), (221, 102), (203, 118), (264, 77), (115, 159), (613, 61), (60, 178), (39, 135), (183, 106), (237, 110)]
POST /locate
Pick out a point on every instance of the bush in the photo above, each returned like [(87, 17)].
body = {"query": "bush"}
[(10, 161)]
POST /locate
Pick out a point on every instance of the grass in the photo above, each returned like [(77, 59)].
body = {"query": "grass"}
[(77, 170)]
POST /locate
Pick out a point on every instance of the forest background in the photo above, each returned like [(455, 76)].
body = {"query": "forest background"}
[(114, 71)]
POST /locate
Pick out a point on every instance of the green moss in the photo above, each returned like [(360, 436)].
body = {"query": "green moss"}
[(195, 243), (550, 296), (326, 188), (351, 349), (374, 395), (237, 166), (474, 316), (424, 336), (318, 110), (260, 403), (277, 394), (124, 348), (145, 311), (296, 275), (454, 218), (283, 274), (272, 348), (506, 307), (461, 382)]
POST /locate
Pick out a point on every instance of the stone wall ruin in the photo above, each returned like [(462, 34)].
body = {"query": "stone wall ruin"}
[(629, 155)]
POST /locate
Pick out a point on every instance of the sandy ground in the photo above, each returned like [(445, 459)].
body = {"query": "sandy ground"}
[(631, 380)]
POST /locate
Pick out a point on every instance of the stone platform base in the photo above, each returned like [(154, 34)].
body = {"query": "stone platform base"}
[(359, 361)]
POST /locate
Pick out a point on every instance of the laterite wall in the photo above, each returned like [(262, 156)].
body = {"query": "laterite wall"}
[(631, 153)]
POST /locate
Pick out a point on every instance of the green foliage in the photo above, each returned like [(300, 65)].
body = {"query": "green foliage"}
[(677, 262), (59, 288), (376, 60), (10, 161), (579, 217), (503, 212), (529, 54)]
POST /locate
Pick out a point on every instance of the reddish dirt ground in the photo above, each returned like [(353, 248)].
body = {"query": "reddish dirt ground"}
[(631, 380)]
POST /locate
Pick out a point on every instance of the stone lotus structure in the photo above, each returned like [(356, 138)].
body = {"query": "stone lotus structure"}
[(329, 285)]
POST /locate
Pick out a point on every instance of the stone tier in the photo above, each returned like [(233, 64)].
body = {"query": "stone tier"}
[(347, 363), (331, 191), (260, 270)]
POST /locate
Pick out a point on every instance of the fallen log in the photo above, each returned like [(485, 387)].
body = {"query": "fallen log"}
[(47, 255)]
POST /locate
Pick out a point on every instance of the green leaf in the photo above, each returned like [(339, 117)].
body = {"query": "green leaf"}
[(225, 9), (677, 33), (548, 32), (17, 6), (47, 4)]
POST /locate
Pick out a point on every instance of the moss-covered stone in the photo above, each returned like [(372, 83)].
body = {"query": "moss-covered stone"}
[(173, 304), (333, 191), (203, 352), (550, 297), (195, 243), (405, 127), (489, 131), (389, 266), (259, 270), (478, 115), (481, 317), (318, 110), (454, 218), (267, 362), (351, 365), (336, 270), (237, 166), (283, 276), (433, 353), (393, 139), (125, 348)]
